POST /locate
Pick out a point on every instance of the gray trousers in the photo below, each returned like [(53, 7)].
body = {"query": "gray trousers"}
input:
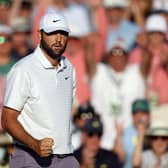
[(29, 159)]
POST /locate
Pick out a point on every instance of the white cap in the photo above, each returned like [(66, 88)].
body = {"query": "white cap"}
[(20, 24), (53, 21), (156, 22), (5, 29), (116, 3)]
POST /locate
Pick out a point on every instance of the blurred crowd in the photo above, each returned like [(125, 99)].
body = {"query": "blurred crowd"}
[(120, 52)]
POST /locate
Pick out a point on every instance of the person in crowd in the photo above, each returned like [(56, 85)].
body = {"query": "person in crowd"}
[(114, 88), (119, 28), (96, 11), (138, 11), (156, 156), (21, 41), (38, 101), (5, 7), (76, 53), (90, 154), (126, 139), (83, 113), (6, 58), (156, 44)]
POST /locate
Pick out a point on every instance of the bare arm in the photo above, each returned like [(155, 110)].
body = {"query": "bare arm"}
[(14, 10), (118, 146), (136, 160), (11, 124)]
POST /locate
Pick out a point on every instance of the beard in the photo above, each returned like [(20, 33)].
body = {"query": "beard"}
[(50, 52)]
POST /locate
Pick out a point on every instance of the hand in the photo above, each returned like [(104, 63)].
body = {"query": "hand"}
[(44, 147), (88, 158)]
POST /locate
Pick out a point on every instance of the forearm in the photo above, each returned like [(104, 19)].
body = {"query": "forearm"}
[(138, 151), (118, 148), (13, 127)]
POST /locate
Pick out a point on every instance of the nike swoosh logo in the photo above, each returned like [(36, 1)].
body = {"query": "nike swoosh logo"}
[(66, 77), (56, 21)]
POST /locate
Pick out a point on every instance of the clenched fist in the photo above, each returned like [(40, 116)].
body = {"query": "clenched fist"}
[(43, 147)]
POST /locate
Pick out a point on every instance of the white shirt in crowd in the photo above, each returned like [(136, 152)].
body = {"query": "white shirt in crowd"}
[(112, 96)]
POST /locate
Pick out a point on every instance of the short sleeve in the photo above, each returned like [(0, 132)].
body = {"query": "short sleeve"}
[(17, 88)]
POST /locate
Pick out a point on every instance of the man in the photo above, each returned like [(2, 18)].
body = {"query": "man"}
[(114, 88), (38, 101), (90, 154), (83, 113), (118, 27), (6, 57)]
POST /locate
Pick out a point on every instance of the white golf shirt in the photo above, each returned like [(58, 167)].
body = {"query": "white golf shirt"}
[(43, 95)]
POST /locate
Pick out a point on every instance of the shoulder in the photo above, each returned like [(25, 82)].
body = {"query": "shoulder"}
[(132, 26), (23, 63)]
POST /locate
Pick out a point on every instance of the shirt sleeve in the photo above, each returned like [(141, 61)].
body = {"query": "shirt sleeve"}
[(17, 89)]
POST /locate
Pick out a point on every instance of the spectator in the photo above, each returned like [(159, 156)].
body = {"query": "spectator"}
[(96, 11), (114, 88), (5, 7), (157, 137), (83, 113), (119, 29), (21, 41), (6, 59), (138, 11), (127, 139), (76, 53), (90, 154), (156, 28)]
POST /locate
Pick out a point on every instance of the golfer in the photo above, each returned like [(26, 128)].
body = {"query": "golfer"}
[(38, 101)]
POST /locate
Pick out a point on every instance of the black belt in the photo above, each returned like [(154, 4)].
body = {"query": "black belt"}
[(61, 156), (27, 149)]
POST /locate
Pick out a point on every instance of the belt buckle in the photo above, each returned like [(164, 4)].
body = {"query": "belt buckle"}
[(61, 156)]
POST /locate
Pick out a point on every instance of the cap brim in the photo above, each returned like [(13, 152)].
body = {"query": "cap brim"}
[(50, 30)]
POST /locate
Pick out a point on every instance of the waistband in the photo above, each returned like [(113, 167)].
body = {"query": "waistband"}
[(27, 149)]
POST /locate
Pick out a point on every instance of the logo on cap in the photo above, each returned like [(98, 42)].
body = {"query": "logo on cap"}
[(55, 21)]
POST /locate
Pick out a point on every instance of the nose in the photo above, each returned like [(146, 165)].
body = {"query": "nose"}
[(58, 37)]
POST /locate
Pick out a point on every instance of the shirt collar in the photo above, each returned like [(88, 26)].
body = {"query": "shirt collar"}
[(46, 63)]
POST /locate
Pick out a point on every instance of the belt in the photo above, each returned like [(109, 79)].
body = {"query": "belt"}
[(27, 149)]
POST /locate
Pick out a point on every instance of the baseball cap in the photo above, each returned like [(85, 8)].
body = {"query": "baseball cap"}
[(116, 3), (84, 111), (156, 23), (5, 29), (93, 125), (140, 105), (53, 21), (20, 24), (158, 121)]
